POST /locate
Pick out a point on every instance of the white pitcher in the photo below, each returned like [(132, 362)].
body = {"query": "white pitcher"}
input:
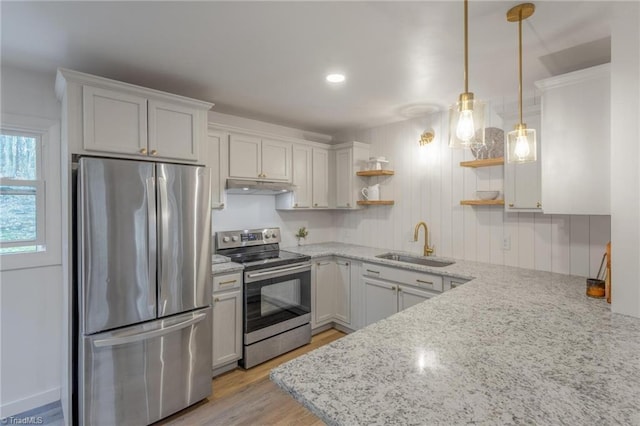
[(371, 193)]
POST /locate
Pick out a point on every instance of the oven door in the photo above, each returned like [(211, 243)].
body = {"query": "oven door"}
[(276, 300)]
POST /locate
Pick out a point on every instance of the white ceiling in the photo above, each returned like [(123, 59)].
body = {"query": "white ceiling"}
[(267, 60)]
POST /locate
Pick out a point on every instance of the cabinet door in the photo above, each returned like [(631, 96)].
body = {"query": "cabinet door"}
[(227, 327), (276, 160), (174, 131), (380, 300), (211, 156), (344, 178), (114, 121), (244, 156), (302, 176), (343, 292), (324, 308), (576, 117), (320, 178), (409, 296)]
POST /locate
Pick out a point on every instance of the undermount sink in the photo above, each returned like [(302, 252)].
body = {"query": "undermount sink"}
[(416, 260)]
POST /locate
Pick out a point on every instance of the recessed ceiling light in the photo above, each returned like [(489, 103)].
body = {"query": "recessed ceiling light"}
[(335, 78)]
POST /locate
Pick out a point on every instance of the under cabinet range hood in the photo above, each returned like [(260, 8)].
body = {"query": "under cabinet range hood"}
[(236, 186)]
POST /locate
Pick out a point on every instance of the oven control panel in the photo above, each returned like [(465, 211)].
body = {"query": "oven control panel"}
[(247, 237)]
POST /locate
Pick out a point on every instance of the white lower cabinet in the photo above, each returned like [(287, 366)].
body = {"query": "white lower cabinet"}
[(383, 298), (227, 320), (331, 279), (380, 300), (390, 290), (324, 292)]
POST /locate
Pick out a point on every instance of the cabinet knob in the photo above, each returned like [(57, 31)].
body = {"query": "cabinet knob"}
[(399, 289), (143, 151), (295, 205), (348, 204), (216, 300), (315, 205), (222, 205), (154, 152), (539, 204), (393, 288), (510, 204)]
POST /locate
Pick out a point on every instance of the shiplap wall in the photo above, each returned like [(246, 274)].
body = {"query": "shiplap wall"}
[(429, 184)]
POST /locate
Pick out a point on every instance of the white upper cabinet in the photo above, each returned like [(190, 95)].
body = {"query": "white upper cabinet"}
[(320, 178), (253, 157), (212, 153), (245, 156), (114, 121), (575, 156), (173, 130), (349, 158), (302, 176), (123, 120), (310, 176), (276, 160)]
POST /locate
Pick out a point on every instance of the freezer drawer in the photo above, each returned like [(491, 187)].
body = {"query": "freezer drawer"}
[(138, 375)]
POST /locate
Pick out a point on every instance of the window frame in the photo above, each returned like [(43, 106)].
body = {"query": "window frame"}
[(38, 183), (48, 195)]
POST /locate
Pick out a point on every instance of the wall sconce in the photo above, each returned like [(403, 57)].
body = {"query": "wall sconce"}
[(426, 138)]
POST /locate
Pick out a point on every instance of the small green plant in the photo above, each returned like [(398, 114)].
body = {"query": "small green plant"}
[(302, 233)]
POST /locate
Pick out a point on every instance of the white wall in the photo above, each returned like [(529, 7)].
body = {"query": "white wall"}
[(428, 185), (30, 299), (258, 211), (625, 157)]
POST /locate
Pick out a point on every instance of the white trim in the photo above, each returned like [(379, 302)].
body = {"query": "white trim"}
[(29, 403), (227, 128), (49, 131), (65, 76), (574, 77)]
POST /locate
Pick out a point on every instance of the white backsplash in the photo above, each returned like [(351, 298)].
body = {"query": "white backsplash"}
[(257, 211), (428, 185)]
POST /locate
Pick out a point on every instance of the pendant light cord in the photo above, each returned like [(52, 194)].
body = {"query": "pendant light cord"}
[(466, 49), (520, 61)]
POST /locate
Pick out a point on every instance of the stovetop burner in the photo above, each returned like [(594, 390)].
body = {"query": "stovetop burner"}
[(256, 248)]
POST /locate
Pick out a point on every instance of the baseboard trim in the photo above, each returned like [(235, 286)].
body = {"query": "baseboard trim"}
[(29, 403), (221, 370)]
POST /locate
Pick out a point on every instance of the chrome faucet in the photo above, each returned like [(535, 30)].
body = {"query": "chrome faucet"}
[(428, 251)]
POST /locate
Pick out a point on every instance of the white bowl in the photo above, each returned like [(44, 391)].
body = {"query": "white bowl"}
[(488, 195)]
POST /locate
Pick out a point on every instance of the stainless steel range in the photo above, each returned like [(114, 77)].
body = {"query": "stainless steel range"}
[(277, 293)]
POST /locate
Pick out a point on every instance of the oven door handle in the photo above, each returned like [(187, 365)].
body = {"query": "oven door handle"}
[(276, 272)]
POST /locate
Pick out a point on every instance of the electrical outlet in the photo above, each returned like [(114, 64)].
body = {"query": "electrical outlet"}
[(506, 242)]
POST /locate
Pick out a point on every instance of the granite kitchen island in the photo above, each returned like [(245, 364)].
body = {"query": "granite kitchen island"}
[(512, 346)]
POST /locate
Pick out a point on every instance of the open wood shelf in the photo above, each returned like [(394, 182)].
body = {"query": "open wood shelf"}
[(375, 173), (483, 163), (376, 203), (482, 202)]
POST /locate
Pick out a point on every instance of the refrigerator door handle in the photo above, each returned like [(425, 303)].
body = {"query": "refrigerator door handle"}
[(151, 236), (145, 335), (163, 241)]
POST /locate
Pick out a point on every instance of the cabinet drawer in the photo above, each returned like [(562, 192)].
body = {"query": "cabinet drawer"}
[(227, 282), (405, 276)]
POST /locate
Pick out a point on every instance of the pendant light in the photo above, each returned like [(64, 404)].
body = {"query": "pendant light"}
[(521, 142), (466, 117)]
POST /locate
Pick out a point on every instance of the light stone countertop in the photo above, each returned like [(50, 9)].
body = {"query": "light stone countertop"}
[(226, 268), (513, 346)]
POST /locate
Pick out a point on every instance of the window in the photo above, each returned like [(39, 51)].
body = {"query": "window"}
[(30, 192), (22, 208)]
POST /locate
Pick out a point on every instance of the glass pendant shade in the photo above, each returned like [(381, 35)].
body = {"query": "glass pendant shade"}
[(521, 145), (466, 122)]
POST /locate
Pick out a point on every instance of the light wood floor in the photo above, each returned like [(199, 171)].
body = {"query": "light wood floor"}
[(249, 398)]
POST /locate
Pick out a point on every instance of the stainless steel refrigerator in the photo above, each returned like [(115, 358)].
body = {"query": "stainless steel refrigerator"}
[(143, 283)]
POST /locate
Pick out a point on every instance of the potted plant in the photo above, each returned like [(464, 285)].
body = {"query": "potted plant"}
[(301, 235)]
